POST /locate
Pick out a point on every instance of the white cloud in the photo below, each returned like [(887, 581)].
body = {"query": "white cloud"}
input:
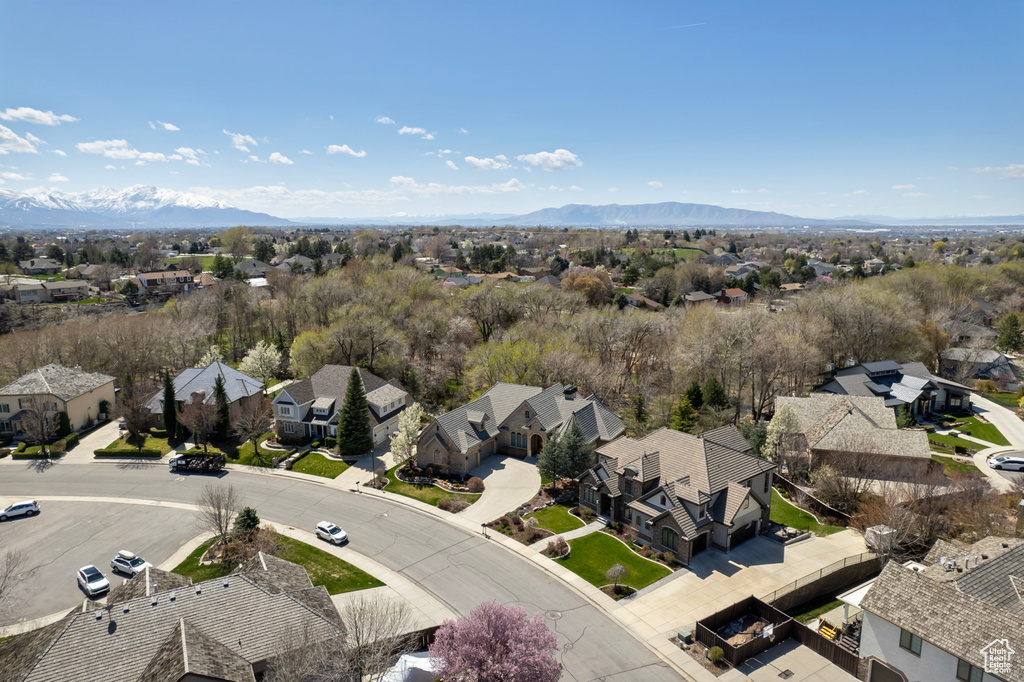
[(345, 149), (57, 177), (191, 156), (1014, 170), (451, 164), (613, 189), (914, 194), (857, 192), (740, 191), (406, 130), (500, 162), (8, 175), (555, 188), (428, 136), (110, 166), (278, 157), (574, 188), (240, 141), (655, 184), (462, 131), (442, 152), (898, 187), (59, 152), (980, 196), (306, 151), (253, 157), (10, 142), (762, 191), (30, 115), (560, 159), (386, 120), (119, 149), (165, 126)]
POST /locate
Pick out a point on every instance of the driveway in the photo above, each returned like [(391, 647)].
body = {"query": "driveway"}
[(509, 483), (1011, 426), (801, 661), (94, 440)]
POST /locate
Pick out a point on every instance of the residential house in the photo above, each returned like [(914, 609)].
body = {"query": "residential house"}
[(168, 283), (160, 627), (840, 428), (731, 297), (40, 266), (908, 384), (240, 388), (697, 297), (958, 615), (821, 268), (535, 272), (254, 268), (740, 270), (296, 262), (82, 395), (510, 419), (311, 408), (972, 363), (874, 265), (721, 259), (639, 301), (45, 292), (682, 493), (550, 280), (791, 288)]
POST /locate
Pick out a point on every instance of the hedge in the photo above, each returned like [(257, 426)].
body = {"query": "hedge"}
[(158, 433), (129, 453), (21, 446), (4, 452), (72, 438), (31, 455)]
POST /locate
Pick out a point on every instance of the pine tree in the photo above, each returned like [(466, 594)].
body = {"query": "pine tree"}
[(683, 416), (355, 437), (223, 423), (576, 451), (170, 407), (639, 408), (551, 462), (714, 394), (695, 395), (1010, 337)]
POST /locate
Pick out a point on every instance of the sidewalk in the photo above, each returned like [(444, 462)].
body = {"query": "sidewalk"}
[(278, 387), (94, 440), (594, 527), (362, 469)]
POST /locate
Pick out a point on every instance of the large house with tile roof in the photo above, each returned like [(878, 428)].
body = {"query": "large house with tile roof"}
[(240, 388), (511, 419), (682, 493), (82, 395), (957, 615), (311, 408), (160, 627), (909, 384)]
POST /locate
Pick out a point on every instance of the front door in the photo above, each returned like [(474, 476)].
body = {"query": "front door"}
[(700, 543), (536, 444)]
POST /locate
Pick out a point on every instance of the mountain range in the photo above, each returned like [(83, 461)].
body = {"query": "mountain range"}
[(147, 207)]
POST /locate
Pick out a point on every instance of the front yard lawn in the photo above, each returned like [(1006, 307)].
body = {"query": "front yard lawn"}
[(244, 453), (324, 569), (592, 555), (430, 494), (1007, 400), (956, 467), (316, 464), (947, 443), (787, 514), (152, 443), (556, 518), (987, 432)]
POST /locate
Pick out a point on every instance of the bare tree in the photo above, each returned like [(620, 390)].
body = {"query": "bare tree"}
[(199, 417), (616, 574), (253, 420), (12, 563), (216, 507), (133, 408), (40, 419)]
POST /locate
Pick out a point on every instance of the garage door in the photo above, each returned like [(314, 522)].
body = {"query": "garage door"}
[(743, 534), (700, 543), (883, 673)]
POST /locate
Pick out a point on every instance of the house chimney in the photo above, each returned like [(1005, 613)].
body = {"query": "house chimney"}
[(569, 392)]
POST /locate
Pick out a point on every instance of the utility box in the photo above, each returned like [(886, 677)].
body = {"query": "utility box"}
[(879, 538)]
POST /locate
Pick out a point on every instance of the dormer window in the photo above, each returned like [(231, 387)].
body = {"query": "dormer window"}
[(527, 414), (662, 500), (701, 511)]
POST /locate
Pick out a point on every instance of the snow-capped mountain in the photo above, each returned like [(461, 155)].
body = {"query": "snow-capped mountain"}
[(140, 206)]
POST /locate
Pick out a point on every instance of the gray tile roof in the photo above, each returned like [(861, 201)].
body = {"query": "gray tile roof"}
[(937, 612), (998, 581), (497, 403), (188, 651), (64, 382), (330, 383), (149, 581), (246, 612), (193, 379)]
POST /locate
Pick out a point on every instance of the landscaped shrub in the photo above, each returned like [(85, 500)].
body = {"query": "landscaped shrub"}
[(63, 424), (21, 447), (72, 439), (557, 547), (57, 447), (4, 452), (158, 433), (475, 485), (452, 504), (314, 445), (668, 557), (715, 654), (104, 407), (960, 449), (128, 453)]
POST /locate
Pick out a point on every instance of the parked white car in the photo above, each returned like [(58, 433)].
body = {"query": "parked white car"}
[(26, 508), (127, 563), (92, 581), (330, 532), (1007, 462)]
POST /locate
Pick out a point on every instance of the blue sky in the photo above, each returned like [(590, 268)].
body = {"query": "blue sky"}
[(818, 109)]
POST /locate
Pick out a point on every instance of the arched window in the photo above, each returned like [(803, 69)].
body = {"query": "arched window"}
[(437, 456), (669, 539)]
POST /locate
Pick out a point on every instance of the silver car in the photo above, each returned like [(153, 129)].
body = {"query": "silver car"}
[(1007, 462), (26, 508), (128, 563), (328, 531), (92, 581)]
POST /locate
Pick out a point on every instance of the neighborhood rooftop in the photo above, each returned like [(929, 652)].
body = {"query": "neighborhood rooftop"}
[(64, 382)]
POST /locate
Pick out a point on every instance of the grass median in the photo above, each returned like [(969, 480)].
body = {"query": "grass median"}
[(556, 518), (316, 464), (592, 555)]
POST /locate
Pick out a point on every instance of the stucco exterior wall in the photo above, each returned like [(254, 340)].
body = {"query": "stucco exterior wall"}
[(881, 639), (87, 406)]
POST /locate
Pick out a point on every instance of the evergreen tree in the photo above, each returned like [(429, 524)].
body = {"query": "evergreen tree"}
[(1011, 337), (683, 417), (551, 462), (695, 395), (246, 522), (639, 408), (714, 394), (576, 451), (220, 394), (903, 418), (354, 433), (170, 407)]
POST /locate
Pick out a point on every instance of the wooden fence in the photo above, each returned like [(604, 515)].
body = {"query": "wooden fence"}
[(863, 557)]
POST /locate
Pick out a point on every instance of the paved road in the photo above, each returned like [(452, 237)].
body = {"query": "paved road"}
[(65, 536), (458, 568), (1011, 426)]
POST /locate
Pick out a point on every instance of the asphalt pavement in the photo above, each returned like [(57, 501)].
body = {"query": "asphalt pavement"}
[(459, 568)]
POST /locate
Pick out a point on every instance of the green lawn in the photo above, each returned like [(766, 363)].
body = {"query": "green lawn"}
[(955, 467), (244, 453), (430, 494), (59, 277), (87, 301), (788, 515), (207, 261), (986, 432), (316, 464), (815, 608), (592, 555), (556, 518), (324, 569), (1007, 400), (948, 442), (152, 443)]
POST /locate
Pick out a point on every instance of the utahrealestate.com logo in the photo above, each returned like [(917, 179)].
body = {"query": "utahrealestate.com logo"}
[(998, 656)]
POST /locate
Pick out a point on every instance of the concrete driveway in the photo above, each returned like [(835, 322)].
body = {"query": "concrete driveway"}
[(65, 536), (802, 662), (510, 482), (1011, 426), (94, 440)]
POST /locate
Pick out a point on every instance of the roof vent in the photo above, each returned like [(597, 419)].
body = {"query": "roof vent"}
[(227, 583), (172, 597), (127, 608), (199, 589), (153, 600), (99, 615)]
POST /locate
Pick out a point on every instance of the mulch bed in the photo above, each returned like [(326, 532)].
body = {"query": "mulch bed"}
[(516, 528), (699, 653), (618, 593)]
